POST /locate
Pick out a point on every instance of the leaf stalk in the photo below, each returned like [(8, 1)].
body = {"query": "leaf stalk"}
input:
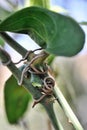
[(67, 110)]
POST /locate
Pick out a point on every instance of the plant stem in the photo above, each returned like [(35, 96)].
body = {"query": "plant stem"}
[(67, 110), (41, 3), (15, 45), (50, 111), (83, 23), (4, 56)]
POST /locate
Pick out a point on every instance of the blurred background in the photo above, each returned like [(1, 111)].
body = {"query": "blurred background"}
[(71, 73)]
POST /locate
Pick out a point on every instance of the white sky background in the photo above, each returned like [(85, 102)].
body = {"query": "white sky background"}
[(76, 9)]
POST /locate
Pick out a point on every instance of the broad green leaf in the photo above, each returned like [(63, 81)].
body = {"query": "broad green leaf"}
[(58, 34), (16, 100)]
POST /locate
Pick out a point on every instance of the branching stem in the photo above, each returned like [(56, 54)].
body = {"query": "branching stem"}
[(4, 56)]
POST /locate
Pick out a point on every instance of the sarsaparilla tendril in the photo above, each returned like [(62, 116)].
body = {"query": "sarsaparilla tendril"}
[(47, 89), (35, 64)]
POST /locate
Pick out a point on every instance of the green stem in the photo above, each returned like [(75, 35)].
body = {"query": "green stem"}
[(4, 56), (15, 45), (41, 3), (50, 111), (83, 23), (67, 110)]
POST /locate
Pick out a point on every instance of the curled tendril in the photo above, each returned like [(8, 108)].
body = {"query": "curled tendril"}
[(47, 89), (29, 66), (27, 55), (48, 82)]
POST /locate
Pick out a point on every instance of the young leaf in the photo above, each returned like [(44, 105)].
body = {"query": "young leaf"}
[(36, 81), (58, 34), (16, 100)]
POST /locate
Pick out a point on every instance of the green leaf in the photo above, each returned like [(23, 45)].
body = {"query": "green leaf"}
[(16, 100), (58, 34), (36, 80)]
